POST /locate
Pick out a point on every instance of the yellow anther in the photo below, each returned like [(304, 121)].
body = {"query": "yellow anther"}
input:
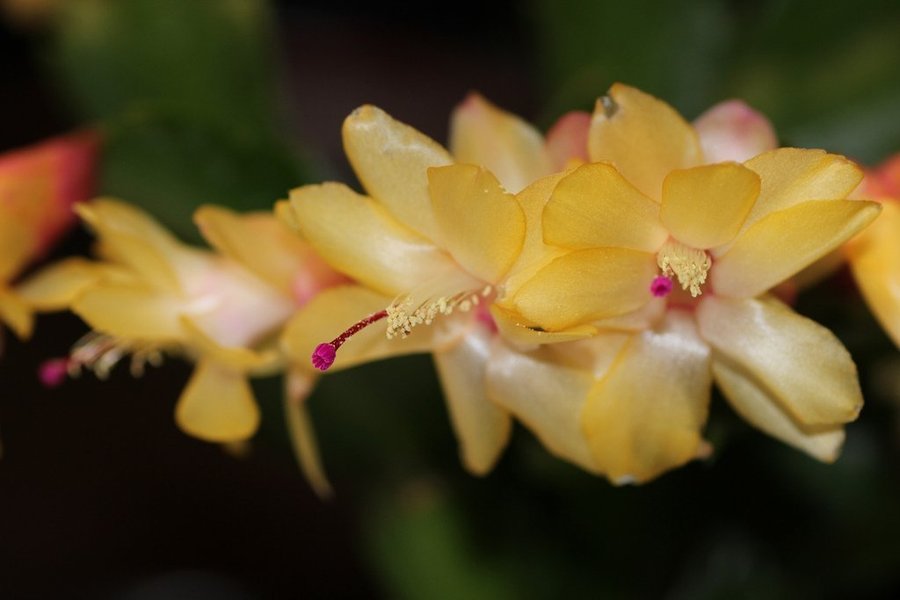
[(689, 265)]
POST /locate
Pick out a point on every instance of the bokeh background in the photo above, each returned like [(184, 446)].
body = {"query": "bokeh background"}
[(235, 102)]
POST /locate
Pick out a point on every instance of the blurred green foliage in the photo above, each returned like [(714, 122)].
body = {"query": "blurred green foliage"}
[(186, 95)]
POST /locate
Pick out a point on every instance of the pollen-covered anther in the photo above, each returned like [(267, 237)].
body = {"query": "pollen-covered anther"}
[(402, 318), (100, 353), (689, 265)]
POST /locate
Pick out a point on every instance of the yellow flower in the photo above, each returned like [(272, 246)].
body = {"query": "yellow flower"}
[(430, 247), (150, 294), (874, 255), (38, 186), (670, 259)]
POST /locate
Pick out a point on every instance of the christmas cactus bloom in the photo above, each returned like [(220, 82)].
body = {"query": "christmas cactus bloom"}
[(149, 294), (38, 186), (671, 259), (874, 255)]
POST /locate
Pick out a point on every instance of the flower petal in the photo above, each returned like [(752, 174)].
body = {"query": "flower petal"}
[(131, 311), (797, 361), (750, 400), (586, 285), (358, 237), (643, 136), (875, 261), (732, 130), (646, 415), (55, 287), (516, 330), (391, 159), (567, 139), (510, 148), (705, 206), (263, 362), (782, 243), (16, 313), (547, 393), (267, 248), (482, 428), (217, 405), (594, 206), (480, 225), (790, 176), (336, 309)]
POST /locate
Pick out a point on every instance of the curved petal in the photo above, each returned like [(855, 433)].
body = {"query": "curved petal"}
[(586, 285), (518, 331), (594, 206), (732, 130), (359, 238), (643, 136), (790, 176), (131, 312), (391, 159), (266, 247), (16, 313), (480, 225), (875, 261), (240, 359), (567, 139), (510, 148), (646, 415), (547, 394), (482, 428), (784, 242), (56, 286), (705, 206), (217, 405), (799, 362), (334, 310), (298, 386), (750, 400), (16, 247)]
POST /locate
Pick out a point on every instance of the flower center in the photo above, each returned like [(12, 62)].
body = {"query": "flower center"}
[(689, 265)]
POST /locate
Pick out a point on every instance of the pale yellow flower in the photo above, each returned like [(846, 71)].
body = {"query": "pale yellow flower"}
[(649, 216)]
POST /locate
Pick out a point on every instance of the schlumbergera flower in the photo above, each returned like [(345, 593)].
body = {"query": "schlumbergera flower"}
[(430, 246), (149, 295), (670, 259), (874, 255), (38, 186)]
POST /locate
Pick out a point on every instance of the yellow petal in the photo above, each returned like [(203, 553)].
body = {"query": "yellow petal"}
[(586, 285), (482, 428), (298, 386), (478, 223), (482, 134), (792, 175), (334, 310), (732, 130), (266, 247), (17, 246), (646, 415), (547, 395), (131, 311), (706, 206), (802, 364), (16, 313), (515, 329), (259, 362), (391, 159), (56, 286), (643, 136), (750, 400), (359, 238), (784, 242), (594, 206), (217, 405), (875, 261)]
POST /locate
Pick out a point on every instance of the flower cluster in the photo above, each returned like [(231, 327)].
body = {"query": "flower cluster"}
[(592, 284)]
